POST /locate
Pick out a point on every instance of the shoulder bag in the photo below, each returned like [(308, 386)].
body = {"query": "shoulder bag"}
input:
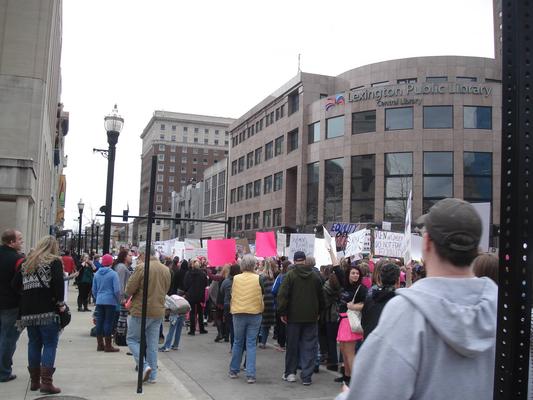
[(354, 317)]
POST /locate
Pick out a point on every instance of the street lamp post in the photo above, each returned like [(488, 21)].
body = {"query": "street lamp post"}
[(92, 237), (80, 209), (85, 240), (113, 125), (97, 232)]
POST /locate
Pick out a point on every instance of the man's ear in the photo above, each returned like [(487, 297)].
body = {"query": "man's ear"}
[(427, 244)]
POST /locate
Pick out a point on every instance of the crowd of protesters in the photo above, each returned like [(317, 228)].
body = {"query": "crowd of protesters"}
[(403, 310)]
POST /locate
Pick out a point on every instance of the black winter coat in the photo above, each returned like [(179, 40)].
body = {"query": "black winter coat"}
[(373, 308), (9, 298), (194, 286)]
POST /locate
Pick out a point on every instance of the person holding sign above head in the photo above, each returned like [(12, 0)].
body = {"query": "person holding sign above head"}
[(435, 340)]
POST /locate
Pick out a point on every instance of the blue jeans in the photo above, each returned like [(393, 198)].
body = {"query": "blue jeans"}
[(228, 320), (176, 325), (105, 319), (8, 340), (246, 328), (302, 342), (42, 345), (264, 334), (152, 341)]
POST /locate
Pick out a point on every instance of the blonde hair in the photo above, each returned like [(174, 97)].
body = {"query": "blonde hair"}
[(46, 251), (268, 271), (225, 270)]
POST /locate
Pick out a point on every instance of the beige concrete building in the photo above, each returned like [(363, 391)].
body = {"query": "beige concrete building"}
[(185, 145), (32, 121), (214, 200), (187, 203), (349, 148)]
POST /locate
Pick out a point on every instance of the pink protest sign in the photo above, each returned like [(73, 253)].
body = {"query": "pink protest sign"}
[(220, 252), (265, 244)]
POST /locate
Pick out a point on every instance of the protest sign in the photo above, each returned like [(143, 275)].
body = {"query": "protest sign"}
[(483, 209), (416, 247), (164, 247), (242, 247), (406, 244), (386, 226), (281, 243), (388, 244), (193, 244), (265, 244), (178, 249), (329, 242), (358, 242), (322, 256), (193, 253), (221, 251), (301, 242), (341, 232)]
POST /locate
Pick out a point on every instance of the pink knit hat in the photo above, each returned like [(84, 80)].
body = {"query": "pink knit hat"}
[(107, 260)]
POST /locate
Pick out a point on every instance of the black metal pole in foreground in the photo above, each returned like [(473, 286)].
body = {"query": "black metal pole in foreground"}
[(516, 216), (142, 352)]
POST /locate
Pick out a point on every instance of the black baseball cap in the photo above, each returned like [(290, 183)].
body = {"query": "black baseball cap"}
[(454, 224), (299, 256)]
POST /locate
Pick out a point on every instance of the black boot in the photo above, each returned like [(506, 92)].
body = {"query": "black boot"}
[(347, 380), (341, 379)]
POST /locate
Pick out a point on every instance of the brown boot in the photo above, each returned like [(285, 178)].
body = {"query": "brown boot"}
[(47, 385), (100, 341), (109, 345), (35, 378)]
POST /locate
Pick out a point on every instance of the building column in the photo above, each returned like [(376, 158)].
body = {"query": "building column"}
[(22, 219)]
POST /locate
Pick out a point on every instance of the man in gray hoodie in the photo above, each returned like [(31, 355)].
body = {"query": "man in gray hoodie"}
[(435, 340)]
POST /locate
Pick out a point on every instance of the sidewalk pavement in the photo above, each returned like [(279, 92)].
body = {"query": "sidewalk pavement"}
[(84, 372)]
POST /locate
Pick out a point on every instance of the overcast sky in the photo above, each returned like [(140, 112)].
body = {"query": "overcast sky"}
[(221, 58)]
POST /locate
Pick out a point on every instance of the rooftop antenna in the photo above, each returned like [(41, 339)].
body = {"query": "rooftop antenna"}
[(299, 69)]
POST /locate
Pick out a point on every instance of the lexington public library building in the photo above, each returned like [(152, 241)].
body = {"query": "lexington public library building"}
[(350, 148)]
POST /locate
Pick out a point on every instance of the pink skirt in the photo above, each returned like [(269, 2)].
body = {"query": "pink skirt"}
[(345, 334)]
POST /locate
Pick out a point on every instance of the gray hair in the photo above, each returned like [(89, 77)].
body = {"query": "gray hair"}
[(248, 263), (310, 261), (142, 250)]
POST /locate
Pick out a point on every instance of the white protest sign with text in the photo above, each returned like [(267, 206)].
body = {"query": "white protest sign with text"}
[(301, 242), (388, 244)]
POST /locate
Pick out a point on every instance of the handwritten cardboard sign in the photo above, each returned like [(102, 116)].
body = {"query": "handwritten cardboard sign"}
[(388, 244), (301, 242)]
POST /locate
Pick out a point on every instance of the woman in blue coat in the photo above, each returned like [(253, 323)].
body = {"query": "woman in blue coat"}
[(107, 292)]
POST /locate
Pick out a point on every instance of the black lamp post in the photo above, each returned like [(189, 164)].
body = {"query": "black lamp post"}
[(85, 240), (113, 125), (92, 237), (80, 209), (97, 232)]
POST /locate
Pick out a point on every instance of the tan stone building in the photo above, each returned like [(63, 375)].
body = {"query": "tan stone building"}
[(32, 121), (349, 148), (185, 145)]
